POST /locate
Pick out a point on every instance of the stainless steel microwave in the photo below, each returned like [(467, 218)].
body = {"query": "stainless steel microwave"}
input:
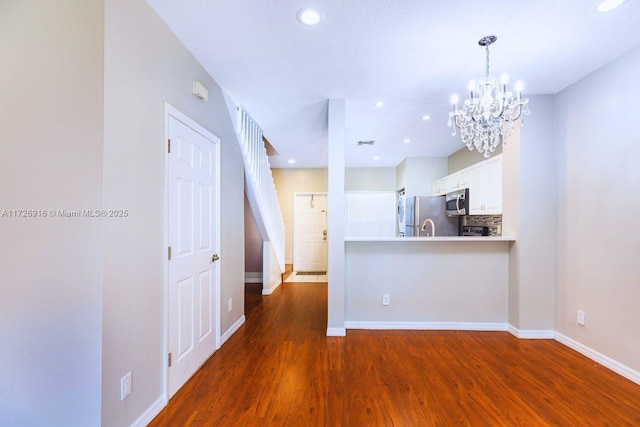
[(458, 203)]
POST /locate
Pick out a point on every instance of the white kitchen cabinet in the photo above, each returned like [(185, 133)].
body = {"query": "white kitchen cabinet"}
[(484, 181), (439, 187), (477, 188), (493, 190), (454, 182), (458, 181), (485, 187)]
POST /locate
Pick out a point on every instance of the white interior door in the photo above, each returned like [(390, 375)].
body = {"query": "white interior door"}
[(193, 309), (310, 236)]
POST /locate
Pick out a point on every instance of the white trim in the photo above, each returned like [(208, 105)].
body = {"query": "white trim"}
[(232, 330), (269, 291), (531, 333), (151, 412), (605, 361), (252, 277), (436, 326), (170, 111), (336, 332)]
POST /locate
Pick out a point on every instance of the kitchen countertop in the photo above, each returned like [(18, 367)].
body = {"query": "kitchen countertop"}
[(433, 239)]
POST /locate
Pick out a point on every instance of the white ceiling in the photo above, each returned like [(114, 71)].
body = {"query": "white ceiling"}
[(411, 54)]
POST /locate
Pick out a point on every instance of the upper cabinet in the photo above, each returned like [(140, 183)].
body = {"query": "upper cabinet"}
[(439, 187), (449, 183), (485, 187), (493, 183), (484, 181), (477, 188), (458, 181)]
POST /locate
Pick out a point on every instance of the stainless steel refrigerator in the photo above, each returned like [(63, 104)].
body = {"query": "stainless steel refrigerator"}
[(421, 208)]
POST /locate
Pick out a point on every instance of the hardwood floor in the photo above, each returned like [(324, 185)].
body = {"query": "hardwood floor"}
[(280, 369)]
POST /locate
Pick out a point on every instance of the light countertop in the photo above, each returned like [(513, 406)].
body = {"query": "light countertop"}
[(433, 239)]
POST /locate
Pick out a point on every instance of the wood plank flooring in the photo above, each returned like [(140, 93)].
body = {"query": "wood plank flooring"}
[(280, 369)]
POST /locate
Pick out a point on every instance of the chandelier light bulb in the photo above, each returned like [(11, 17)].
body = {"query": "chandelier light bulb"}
[(519, 86), (504, 79), (454, 99)]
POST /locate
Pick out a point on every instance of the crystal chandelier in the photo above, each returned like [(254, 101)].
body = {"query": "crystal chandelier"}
[(486, 119)]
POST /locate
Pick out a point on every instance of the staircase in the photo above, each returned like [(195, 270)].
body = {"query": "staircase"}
[(261, 193)]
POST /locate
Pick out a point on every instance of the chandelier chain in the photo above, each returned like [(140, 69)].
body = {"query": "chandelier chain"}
[(487, 68)]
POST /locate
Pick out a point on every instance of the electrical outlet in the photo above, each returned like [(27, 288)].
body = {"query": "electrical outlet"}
[(230, 304), (581, 317), (385, 299), (125, 386)]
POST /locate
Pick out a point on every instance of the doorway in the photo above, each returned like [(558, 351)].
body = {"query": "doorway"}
[(192, 313), (310, 233)]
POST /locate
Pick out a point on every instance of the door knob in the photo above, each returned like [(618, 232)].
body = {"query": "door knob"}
[(215, 257)]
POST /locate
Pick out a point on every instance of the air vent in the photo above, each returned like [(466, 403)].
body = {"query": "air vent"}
[(366, 142)]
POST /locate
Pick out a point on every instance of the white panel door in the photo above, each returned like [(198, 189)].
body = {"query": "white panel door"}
[(192, 295), (310, 237)]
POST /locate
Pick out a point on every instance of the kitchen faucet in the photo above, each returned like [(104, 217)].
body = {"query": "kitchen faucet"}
[(433, 227)]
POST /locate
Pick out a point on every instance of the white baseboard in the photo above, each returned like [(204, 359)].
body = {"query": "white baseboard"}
[(614, 365), (270, 290), (438, 326), (336, 332), (531, 334), (252, 277), (232, 330), (151, 412)]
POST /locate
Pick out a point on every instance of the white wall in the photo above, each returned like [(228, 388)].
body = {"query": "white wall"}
[(421, 172), (401, 175), (335, 218), (370, 179), (425, 282), (275, 275), (538, 220), (146, 66), (529, 202), (51, 104), (291, 181), (598, 146)]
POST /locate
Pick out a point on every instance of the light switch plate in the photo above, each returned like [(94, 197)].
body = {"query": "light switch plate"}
[(125, 386)]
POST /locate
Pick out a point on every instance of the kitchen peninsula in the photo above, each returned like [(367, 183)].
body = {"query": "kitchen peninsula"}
[(431, 282)]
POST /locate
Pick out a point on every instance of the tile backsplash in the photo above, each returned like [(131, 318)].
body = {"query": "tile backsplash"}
[(494, 222)]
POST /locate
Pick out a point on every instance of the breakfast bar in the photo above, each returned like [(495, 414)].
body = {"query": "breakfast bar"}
[(446, 282)]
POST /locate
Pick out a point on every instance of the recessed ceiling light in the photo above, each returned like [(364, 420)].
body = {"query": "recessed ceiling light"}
[(376, 157), (308, 16), (406, 140), (379, 104), (291, 161), (426, 117), (608, 5)]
